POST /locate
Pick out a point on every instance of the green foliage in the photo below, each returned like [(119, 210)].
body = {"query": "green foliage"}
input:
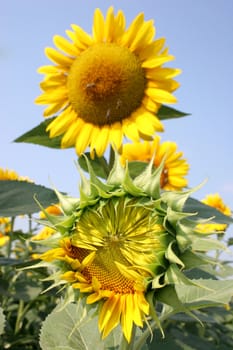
[(2, 321), (75, 329), (18, 197), (204, 211), (21, 298), (39, 136), (166, 112)]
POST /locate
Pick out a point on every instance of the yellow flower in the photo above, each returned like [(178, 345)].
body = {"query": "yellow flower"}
[(43, 234), (47, 231), (175, 167), (215, 201), (52, 209), (107, 85), (5, 227), (6, 174), (110, 262)]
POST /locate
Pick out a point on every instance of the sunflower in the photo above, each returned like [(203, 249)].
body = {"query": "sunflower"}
[(47, 231), (6, 174), (5, 227), (106, 85), (119, 242), (215, 201), (175, 166)]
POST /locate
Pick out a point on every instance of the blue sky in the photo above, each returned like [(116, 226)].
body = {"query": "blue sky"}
[(198, 33)]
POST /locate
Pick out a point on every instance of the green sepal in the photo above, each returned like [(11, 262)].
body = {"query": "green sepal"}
[(129, 186), (174, 276), (99, 165), (174, 216), (200, 243), (149, 180), (177, 199), (153, 314), (191, 259), (171, 255), (184, 230), (117, 173), (67, 203)]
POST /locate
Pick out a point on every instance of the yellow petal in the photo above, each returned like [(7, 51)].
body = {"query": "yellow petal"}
[(83, 139), (133, 29), (160, 96), (65, 46), (143, 37), (81, 36), (157, 61), (58, 57), (152, 50), (130, 130), (70, 136), (98, 26), (47, 70), (53, 108), (100, 143), (116, 135), (60, 124), (54, 96), (109, 25)]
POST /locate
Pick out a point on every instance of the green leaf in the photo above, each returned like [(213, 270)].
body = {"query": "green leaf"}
[(166, 112), (205, 212), (73, 328), (214, 292), (99, 165), (17, 198), (40, 136), (136, 168), (2, 321)]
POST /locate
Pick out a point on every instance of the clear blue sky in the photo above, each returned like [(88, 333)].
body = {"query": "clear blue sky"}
[(200, 35)]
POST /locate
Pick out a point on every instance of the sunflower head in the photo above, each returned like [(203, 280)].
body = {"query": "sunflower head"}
[(6, 174), (214, 200), (122, 241), (107, 85), (5, 227)]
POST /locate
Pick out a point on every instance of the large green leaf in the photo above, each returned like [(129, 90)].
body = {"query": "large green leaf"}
[(166, 112), (40, 136), (213, 292), (2, 321), (72, 328), (205, 212), (18, 197)]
